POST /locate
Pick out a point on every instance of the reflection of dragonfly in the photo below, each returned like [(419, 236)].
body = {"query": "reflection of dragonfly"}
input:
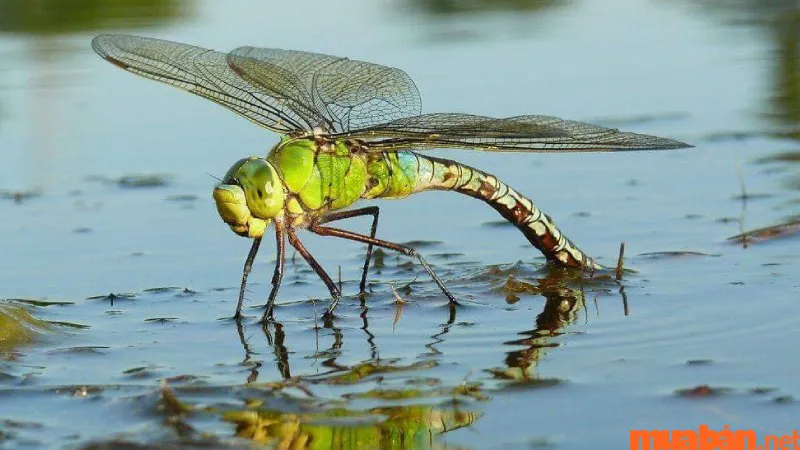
[(349, 128)]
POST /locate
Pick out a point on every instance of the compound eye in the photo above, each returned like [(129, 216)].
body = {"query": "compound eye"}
[(262, 187), (230, 176)]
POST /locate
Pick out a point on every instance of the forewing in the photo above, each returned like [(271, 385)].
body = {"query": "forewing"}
[(512, 134), (200, 71), (341, 93)]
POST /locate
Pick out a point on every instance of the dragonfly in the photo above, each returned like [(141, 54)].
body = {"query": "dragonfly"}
[(352, 131)]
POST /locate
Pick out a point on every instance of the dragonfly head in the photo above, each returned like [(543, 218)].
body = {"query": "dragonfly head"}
[(250, 196)]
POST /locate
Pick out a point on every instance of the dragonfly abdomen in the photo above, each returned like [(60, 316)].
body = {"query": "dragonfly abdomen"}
[(391, 175), (538, 227)]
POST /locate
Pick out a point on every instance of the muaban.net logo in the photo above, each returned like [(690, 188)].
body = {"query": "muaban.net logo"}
[(705, 438)]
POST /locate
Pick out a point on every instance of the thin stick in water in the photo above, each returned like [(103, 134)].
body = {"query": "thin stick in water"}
[(399, 302), (740, 176), (618, 270)]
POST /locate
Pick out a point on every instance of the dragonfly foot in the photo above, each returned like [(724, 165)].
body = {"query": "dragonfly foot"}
[(267, 317), (327, 319)]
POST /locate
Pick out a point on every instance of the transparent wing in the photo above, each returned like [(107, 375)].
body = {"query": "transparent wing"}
[(289, 91), (512, 134), (339, 93), (202, 72)]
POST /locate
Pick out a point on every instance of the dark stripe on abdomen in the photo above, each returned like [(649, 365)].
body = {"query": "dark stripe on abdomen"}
[(538, 228)]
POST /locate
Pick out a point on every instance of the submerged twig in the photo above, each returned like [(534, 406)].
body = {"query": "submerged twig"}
[(618, 270), (314, 309), (316, 326), (742, 186), (399, 302), (625, 309)]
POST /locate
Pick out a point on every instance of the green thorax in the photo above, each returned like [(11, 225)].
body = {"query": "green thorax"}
[(329, 175)]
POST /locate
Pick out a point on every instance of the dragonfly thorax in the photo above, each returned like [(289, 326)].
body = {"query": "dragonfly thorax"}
[(250, 196)]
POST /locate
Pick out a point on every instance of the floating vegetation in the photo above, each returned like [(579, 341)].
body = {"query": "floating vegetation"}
[(62, 323), (675, 254), (81, 349), (761, 235), (783, 399), (447, 255), (147, 180), (135, 180), (162, 319), (20, 196), (161, 290), (497, 224), (762, 390), (18, 327), (417, 244), (112, 297), (641, 119), (699, 362), (39, 303), (703, 390), (182, 198)]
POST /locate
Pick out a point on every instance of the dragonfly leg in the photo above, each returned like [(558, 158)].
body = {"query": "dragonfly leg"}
[(336, 232), (281, 354), (367, 211), (248, 265), (317, 268), (277, 275)]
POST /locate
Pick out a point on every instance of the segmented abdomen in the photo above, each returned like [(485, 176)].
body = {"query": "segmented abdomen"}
[(430, 173)]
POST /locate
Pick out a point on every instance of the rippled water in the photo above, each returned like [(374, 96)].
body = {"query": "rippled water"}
[(120, 279)]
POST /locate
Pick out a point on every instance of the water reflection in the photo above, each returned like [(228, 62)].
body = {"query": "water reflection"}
[(385, 428), (562, 305), (786, 76), (334, 425), (288, 388), (44, 23), (401, 421), (454, 7), (780, 19), (50, 17), (454, 20)]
